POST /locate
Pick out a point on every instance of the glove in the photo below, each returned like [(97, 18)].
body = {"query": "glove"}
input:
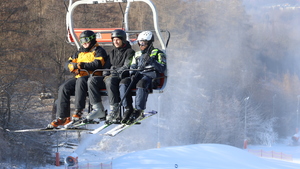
[(80, 65), (141, 67), (72, 66), (131, 72), (114, 73), (76, 71), (132, 77), (134, 74)]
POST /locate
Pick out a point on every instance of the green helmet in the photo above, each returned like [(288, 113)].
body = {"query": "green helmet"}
[(87, 36)]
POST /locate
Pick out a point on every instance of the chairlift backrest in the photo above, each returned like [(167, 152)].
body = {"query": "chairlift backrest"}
[(103, 35)]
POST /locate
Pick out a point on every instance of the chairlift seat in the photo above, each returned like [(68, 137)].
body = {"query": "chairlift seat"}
[(103, 35)]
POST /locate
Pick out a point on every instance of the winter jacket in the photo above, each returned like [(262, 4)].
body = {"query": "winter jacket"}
[(120, 59), (90, 61), (154, 62)]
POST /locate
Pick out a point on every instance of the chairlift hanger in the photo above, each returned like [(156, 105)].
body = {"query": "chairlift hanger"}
[(73, 36)]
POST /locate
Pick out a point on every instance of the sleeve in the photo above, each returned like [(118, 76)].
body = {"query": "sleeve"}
[(99, 62), (129, 56), (159, 62), (108, 64), (134, 64)]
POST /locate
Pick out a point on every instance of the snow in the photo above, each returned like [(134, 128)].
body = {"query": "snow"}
[(204, 156), (197, 156)]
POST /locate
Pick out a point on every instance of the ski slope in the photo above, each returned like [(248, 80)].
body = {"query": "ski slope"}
[(204, 156)]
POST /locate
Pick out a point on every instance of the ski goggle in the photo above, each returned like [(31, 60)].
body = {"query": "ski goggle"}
[(143, 42), (86, 39)]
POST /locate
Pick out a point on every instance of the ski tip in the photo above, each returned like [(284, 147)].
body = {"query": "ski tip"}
[(93, 132), (110, 135), (151, 112), (154, 111)]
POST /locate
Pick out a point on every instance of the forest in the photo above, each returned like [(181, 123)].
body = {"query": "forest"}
[(233, 72)]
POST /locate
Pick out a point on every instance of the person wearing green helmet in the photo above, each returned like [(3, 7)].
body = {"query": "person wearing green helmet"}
[(89, 57)]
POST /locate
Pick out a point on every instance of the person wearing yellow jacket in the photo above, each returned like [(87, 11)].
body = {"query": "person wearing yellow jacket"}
[(88, 58)]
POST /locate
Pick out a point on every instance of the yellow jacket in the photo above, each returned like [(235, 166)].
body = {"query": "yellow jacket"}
[(90, 61)]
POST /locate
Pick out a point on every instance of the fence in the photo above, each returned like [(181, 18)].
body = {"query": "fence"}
[(90, 166), (271, 154)]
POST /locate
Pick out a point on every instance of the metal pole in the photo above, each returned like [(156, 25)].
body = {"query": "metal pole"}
[(297, 122), (273, 105), (57, 162), (245, 127)]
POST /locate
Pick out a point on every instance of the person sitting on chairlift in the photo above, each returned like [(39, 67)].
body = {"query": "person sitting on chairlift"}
[(150, 62), (90, 57)]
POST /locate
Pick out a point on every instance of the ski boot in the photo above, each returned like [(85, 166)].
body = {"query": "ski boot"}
[(97, 113), (135, 116), (76, 118), (114, 116), (59, 122), (127, 114)]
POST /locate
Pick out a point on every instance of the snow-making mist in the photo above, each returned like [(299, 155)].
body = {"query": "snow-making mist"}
[(187, 109), (211, 70)]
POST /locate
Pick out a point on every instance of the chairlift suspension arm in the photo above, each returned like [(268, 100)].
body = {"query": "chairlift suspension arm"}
[(72, 6), (155, 21)]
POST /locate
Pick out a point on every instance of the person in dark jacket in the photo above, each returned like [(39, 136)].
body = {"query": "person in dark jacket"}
[(151, 62), (89, 57), (119, 60)]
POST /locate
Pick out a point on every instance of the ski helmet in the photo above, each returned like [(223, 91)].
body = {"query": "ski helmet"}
[(119, 33), (146, 36), (87, 36)]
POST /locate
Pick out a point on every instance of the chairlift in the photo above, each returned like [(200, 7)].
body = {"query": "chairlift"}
[(103, 35)]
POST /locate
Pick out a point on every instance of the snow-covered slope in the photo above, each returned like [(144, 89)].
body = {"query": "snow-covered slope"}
[(204, 156)]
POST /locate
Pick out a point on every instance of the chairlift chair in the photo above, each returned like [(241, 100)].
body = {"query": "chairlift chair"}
[(103, 35)]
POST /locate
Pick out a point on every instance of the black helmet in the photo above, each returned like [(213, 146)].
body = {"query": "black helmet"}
[(119, 33), (87, 36)]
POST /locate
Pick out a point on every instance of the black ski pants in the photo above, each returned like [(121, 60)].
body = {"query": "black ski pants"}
[(95, 84), (71, 87), (112, 88)]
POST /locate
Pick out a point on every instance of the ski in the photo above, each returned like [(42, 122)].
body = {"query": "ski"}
[(118, 129), (81, 123), (85, 121), (104, 126), (97, 130), (49, 129)]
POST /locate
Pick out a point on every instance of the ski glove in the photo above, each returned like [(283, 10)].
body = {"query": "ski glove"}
[(72, 66), (77, 71), (114, 71), (80, 65)]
